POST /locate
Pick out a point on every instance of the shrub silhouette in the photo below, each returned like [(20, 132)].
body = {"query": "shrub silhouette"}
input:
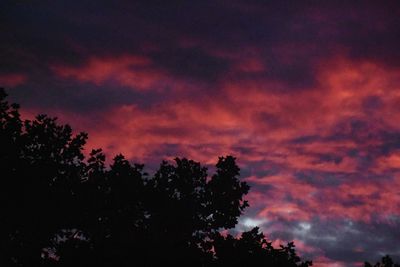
[(60, 209)]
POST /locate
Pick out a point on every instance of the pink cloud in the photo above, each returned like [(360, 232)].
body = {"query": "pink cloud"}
[(257, 122), (323, 261), (12, 80), (133, 71)]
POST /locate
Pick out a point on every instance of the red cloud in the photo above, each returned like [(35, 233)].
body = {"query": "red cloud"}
[(323, 261), (132, 71), (12, 80), (343, 117)]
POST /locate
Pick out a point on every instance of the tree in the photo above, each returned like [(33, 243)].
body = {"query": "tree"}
[(41, 165), (252, 249), (386, 261), (60, 209)]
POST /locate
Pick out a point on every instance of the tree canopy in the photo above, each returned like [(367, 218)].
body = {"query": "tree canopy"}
[(59, 208)]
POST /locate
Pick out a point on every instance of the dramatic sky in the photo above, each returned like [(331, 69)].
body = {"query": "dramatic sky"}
[(306, 95)]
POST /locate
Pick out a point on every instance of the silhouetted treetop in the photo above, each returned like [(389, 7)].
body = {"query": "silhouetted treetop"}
[(386, 261), (252, 249)]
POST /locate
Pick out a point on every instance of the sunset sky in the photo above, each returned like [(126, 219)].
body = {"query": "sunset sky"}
[(305, 94)]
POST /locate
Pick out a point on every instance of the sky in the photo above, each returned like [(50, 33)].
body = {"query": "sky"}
[(305, 94)]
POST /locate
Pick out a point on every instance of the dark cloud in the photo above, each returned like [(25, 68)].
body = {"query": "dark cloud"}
[(322, 179), (53, 95), (48, 31), (190, 63), (352, 245), (341, 240)]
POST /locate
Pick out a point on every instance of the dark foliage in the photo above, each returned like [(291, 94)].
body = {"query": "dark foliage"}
[(60, 209), (385, 262), (252, 249)]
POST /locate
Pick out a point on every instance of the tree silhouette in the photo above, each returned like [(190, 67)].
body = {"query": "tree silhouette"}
[(60, 209), (41, 165), (252, 249), (386, 261)]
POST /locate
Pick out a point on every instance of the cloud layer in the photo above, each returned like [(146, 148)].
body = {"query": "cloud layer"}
[(305, 96)]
